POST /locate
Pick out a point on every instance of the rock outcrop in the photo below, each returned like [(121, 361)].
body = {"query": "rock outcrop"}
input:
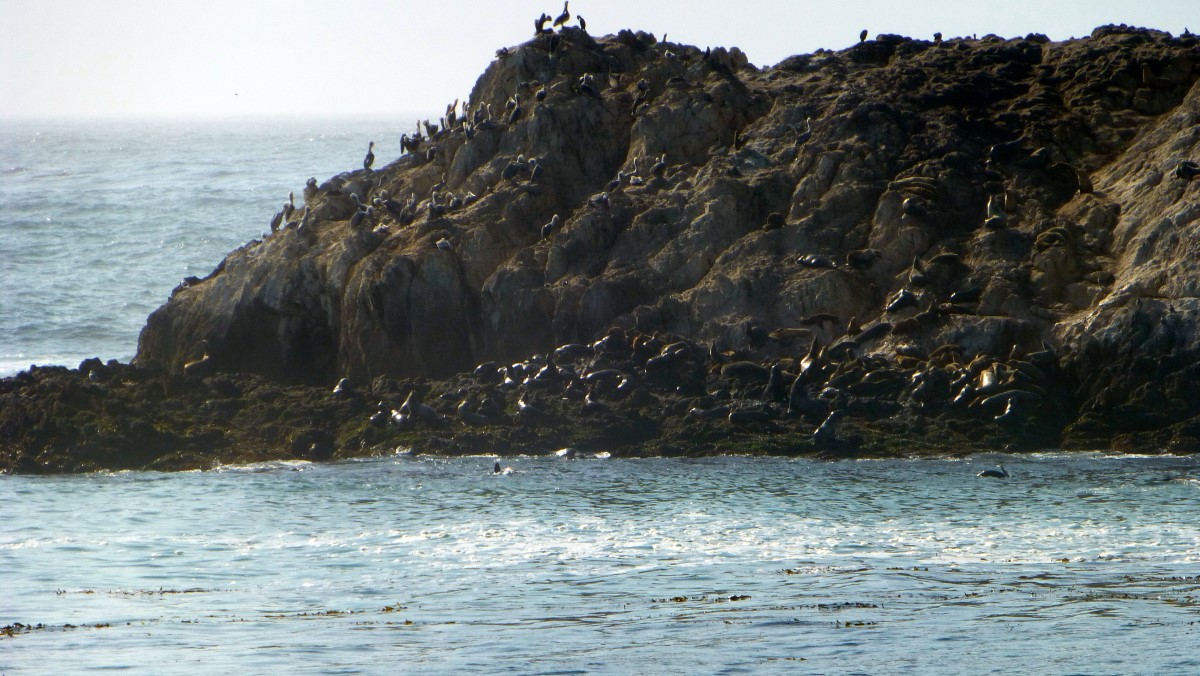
[(987, 199)]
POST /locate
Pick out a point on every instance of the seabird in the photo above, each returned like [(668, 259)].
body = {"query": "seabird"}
[(564, 17), (862, 37), (582, 23), (585, 84), (277, 220), (994, 473), (660, 167), (549, 228), (370, 158)]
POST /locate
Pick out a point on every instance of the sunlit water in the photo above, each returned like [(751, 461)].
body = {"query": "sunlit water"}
[(1078, 564), (99, 220)]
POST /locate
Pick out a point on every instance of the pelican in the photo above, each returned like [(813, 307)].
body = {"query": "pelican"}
[(994, 473), (370, 158), (564, 17), (549, 228)]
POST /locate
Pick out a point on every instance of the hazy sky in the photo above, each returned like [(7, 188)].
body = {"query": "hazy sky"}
[(373, 57)]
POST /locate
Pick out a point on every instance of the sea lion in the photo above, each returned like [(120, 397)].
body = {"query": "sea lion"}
[(902, 299), (748, 417), (862, 259), (199, 366), (1187, 170), (777, 387), (816, 262), (826, 433), (343, 388)]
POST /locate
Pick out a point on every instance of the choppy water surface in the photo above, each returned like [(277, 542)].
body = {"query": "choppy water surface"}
[(99, 220), (1078, 564)]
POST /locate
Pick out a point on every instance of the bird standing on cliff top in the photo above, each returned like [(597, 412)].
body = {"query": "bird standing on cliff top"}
[(582, 23), (564, 17), (370, 158), (862, 37)]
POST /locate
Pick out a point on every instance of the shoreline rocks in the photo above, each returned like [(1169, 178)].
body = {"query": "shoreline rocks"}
[(955, 245)]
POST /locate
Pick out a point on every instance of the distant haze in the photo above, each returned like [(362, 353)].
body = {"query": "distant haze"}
[(224, 58)]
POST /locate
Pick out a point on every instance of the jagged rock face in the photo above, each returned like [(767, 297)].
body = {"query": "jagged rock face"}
[(1030, 177)]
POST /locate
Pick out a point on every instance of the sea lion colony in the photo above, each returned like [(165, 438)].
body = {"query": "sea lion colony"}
[(907, 234)]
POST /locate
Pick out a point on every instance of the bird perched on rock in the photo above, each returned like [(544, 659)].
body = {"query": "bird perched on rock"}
[(582, 23), (564, 17), (862, 37), (549, 228), (515, 110), (362, 216), (660, 167), (996, 218), (370, 158)]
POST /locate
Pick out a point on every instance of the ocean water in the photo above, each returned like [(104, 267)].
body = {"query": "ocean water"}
[(1080, 563), (100, 220)]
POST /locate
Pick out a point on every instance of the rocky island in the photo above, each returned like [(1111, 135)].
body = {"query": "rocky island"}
[(625, 245)]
